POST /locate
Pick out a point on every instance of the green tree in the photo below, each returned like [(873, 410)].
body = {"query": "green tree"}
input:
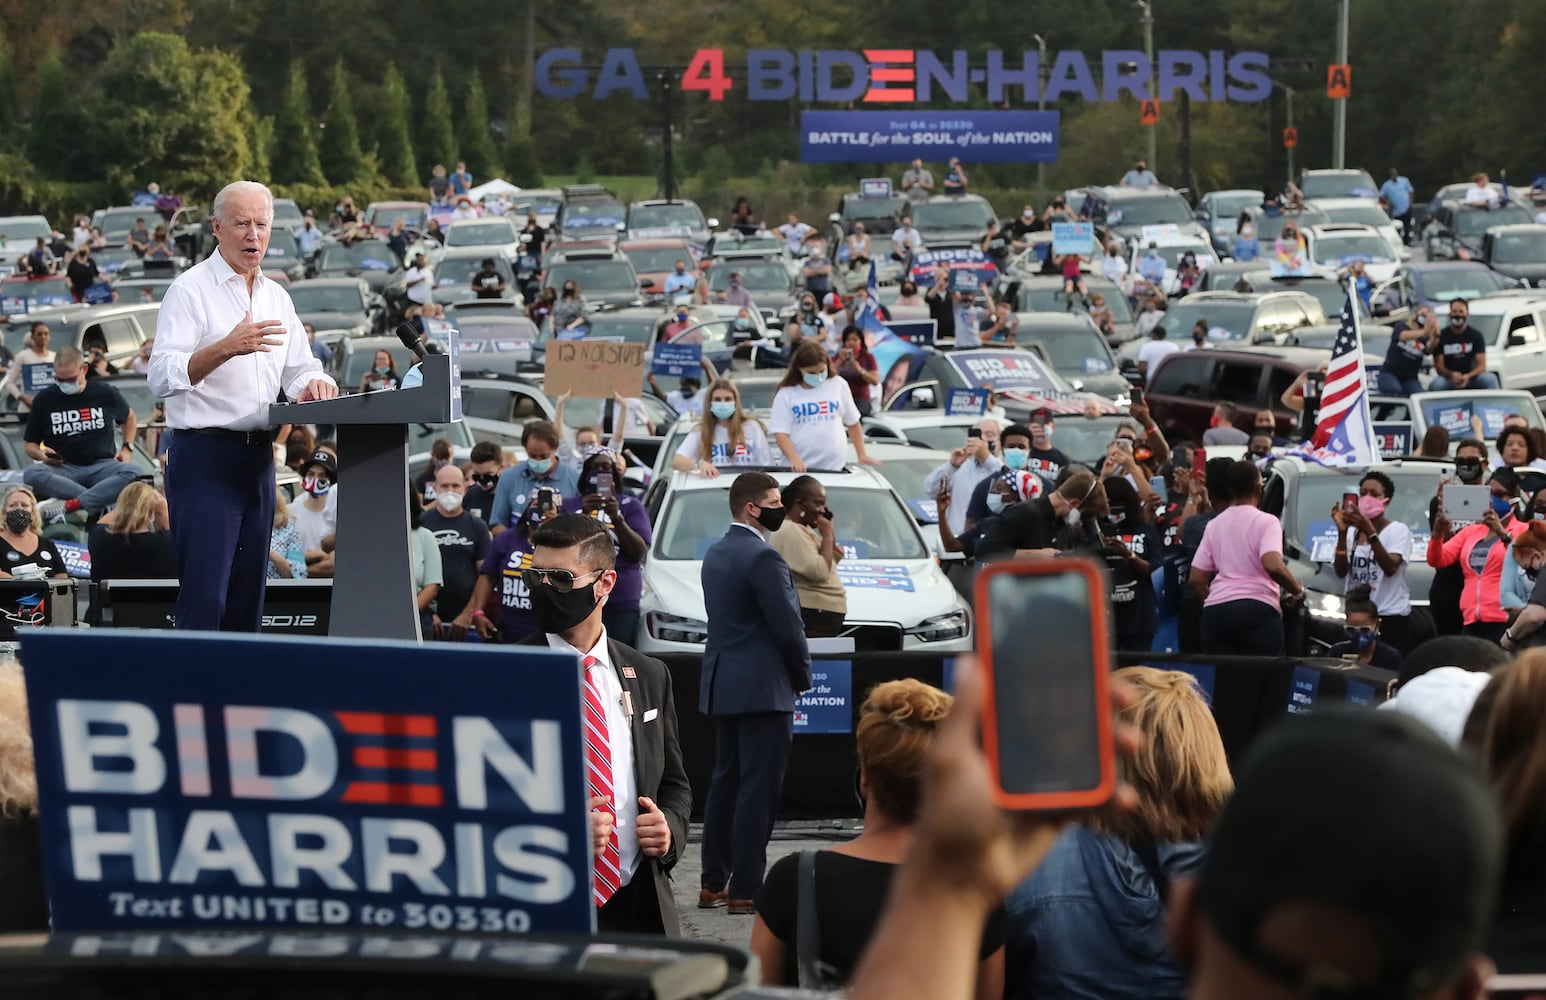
[(7, 90), (339, 150), (295, 159), (437, 144), (394, 149), (260, 138), (521, 164), (58, 123), (474, 143), (163, 113)]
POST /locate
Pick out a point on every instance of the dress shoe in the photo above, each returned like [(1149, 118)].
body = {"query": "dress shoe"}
[(742, 907), (708, 899)]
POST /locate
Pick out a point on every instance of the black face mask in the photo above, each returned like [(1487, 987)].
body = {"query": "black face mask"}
[(487, 480), (771, 518), (1468, 472), (558, 613), (18, 520)]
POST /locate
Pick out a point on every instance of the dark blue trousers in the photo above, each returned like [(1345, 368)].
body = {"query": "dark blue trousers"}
[(220, 497), (750, 755)]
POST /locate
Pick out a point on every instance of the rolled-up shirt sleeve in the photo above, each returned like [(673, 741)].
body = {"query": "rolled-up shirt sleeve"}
[(177, 336), (301, 366)]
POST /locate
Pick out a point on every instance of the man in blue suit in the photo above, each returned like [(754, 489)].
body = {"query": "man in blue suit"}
[(755, 663)]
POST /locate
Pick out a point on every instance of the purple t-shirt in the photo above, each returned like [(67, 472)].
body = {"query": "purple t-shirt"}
[(1232, 546), (630, 575), (509, 553)]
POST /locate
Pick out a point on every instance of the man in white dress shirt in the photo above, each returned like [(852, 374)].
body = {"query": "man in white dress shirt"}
[(228, 343)]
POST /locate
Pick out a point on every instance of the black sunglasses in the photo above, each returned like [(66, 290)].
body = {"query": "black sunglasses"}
[(560, 580)]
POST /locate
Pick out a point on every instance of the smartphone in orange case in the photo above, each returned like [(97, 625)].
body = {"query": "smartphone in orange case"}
[(1043, 640)]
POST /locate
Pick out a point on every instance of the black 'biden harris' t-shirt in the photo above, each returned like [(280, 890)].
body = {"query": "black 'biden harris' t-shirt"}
[(78, 427)]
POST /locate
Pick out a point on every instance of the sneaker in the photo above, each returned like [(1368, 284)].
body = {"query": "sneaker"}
[(52, 511)]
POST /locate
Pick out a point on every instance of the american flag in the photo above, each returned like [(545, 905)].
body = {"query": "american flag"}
[(867, 318), (1344, 433)]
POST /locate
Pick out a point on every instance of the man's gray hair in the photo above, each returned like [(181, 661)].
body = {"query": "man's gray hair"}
[(236, 189), (69, 357)]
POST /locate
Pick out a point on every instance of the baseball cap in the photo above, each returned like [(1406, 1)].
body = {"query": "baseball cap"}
[(324, 459), (831, 300), (1369, 813), (1442, 698)]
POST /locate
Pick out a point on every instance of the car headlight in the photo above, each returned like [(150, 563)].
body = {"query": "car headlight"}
[(1329, 607), (941, 628), (675, 628)]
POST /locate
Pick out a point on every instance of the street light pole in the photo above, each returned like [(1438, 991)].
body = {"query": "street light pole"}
[(1041, 103), (1339, 121), (1148, 49)]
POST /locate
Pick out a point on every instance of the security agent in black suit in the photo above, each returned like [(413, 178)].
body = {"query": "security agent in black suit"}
[(755, 662), (572, 573)]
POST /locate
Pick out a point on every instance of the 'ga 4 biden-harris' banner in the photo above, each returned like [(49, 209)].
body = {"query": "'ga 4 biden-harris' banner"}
[(204, 781)]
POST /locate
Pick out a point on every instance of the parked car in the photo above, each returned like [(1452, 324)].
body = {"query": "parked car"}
[(1076, 350), (1365, 212), (589, 212), (654, 260), (1350, 183), (1219, 213), (1045, 295), (1517, 251), (659, 219), (898, 597), (371, 260), (1237, 318), (1124, 212), (1334, 246), (1454, 231), (1186, 386), (338, 308), (1436, 284), (948, 220)]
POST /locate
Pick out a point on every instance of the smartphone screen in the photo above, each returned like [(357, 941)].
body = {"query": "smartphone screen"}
[(1050, 727), (1157, 484), (546, 500), (974, 432), (1349, 502), (604, 483), (1135, 396), (1200, 465)]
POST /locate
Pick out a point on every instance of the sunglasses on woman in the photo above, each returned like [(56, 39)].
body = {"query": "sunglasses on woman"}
[(560, 580), (1354, 631)]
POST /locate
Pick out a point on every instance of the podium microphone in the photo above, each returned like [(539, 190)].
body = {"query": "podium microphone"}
[(410, 338)]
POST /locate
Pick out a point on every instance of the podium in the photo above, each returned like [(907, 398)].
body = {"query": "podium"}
[(373, 593)]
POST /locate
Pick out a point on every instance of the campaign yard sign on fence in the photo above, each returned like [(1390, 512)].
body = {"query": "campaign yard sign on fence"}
[(202, 781), (677, 360)]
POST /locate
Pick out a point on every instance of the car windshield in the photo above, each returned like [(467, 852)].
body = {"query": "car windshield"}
[(136, 392), (1364, 212), (1269, 226), (632, 329), (282, 245), (665, 217), (1158, 211), (938, 216), (657, 260), (118, 221), (24, 294), (364, 256), (1172, 254), (1083, 439), (421, 437), (870, 521), (593, 214), (1520, 248), (907, 474), (1318, 494), (756, 243), (480, 234), (496, 328), (412, 216), (756, 276), (1074, 351), (135, 292), (1464, 415), (536, 206), (757, 393), (312, 298), (1475, 222), (1229, 206), (362, 359), (1050, 298), (868, 210), (1225, 320), (462, 271), (1487, 326), (19, 231), (941, 438), (287, 213), (1340, 249), (1341, 184), (1459, 283), (593, 276), (1329, 294)]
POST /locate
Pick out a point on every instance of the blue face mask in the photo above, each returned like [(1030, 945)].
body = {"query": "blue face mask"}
[(722, 410), (1502, 507), (814, 379), (996, 503), (69, 388), (1016, 458), (539, 466), (1361, 638)]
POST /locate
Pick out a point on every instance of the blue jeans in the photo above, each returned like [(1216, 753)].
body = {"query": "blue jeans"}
[(96, 486), (1392, 386), (1486, 380)]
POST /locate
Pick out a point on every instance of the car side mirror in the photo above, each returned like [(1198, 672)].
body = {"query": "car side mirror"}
[(1379, 309), (712, 223), (1264, 336), (835, 217), (1516, 340), (1133, 375), (924, 399), (644, 282)]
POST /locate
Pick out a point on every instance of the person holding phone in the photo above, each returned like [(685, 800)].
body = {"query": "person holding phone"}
[(1130, 546), (1372, 551), (1238, 572), (969, 466), (808, 542), (1479, 549), (628, 523), (500, 608), (1049, 525), (1410, 343)]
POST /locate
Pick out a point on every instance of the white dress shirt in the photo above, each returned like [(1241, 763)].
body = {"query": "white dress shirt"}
[(625, 788), (202, 306)]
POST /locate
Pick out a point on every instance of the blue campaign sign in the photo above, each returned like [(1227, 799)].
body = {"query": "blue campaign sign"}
[(925, 509), (915, 331), (1303, 690), (1205, 674), (828, 706), (899, 136), (1073, 237), (968, 258), (35, 378), (99, 294), (1021, 370), (677, 360), (1361, 693), (270, 793), (1321, 537), (77, 558), (966, 403), (1395, 439), (962, 280)]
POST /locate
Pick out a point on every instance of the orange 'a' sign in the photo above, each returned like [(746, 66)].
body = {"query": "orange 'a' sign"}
[(1339, 81), (1148, 112)]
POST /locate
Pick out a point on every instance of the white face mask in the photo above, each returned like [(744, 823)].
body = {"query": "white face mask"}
[(449, 502), (1072, 517)]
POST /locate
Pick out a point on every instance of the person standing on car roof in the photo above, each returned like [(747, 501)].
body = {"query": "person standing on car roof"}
[(955, 177), (1460, 354), (1397, 192), (917, 182), (737, 295), (973, 462), (1410, 342), (1140, 176), (680, 281)]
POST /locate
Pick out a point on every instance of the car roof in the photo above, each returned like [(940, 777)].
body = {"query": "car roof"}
[(1492, 305), (654, 202), (1115, 192), (860, 476), (1336, 228), (1052, 322), (1335, 172), (327, 282), (1347, 201), (1411, 465), (1256, 191), (681, 243), (946, 199), (1232, 296), (1298, 357), (1514, 227)]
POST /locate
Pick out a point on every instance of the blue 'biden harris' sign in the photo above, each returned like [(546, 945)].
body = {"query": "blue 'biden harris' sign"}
[(900, 136), (203, 781)]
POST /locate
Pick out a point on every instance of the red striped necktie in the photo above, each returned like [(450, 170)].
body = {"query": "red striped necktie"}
[(598, 768)]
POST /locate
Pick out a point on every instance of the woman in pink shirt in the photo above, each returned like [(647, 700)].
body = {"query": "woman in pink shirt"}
[(1238, 571), (1480, 549)]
